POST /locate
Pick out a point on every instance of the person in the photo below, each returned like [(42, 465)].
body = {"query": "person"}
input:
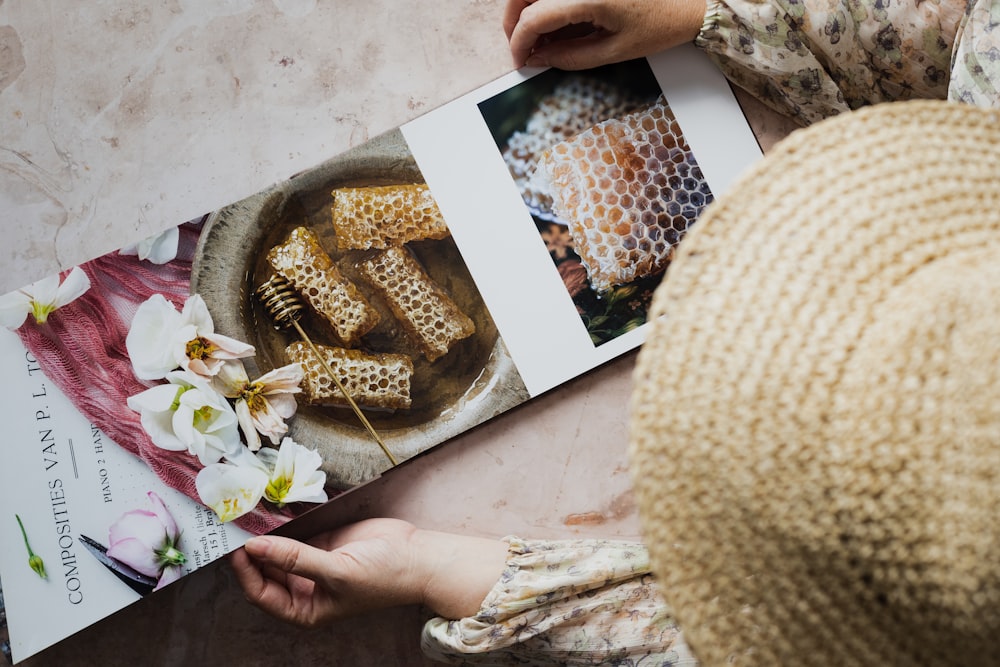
[(815, 477), (806, 59)]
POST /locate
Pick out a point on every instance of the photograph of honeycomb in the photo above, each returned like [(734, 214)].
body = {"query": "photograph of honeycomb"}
[(611, 184), (359, 268), (399, 336)]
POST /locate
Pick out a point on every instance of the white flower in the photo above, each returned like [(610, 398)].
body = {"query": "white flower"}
[(289, 475), (160, 339), (264, 404), (294, 474), (186, 414), (231, 490), (41, 298), (158, 249)]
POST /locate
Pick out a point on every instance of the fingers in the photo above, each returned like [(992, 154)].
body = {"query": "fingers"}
[(577, 54), (248, 575), (548, 32), (512, 13), (272, 573), (535, 20), (258, 589), (289, 556)]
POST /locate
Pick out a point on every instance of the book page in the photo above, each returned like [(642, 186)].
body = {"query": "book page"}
[(66, 480), (499, 238)]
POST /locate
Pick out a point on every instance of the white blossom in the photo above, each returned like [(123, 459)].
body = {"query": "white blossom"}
[(42, 298), (187, 414), (161, 339), (158, 248), (262, 406)]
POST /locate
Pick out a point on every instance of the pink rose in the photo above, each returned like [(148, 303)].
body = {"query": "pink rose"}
[(146, 541)]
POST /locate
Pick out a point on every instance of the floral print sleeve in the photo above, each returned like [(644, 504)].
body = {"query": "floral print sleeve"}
[(571, 602), (975, 70), (810, 59)]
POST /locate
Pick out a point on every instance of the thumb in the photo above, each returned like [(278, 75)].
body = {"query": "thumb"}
[(289, 556), (577, 54)]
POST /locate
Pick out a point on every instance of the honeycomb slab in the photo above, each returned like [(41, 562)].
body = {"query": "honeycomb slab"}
[(380, 216), (313, 274), (373, 380), (629, 189), (574, 105), (423, 309)]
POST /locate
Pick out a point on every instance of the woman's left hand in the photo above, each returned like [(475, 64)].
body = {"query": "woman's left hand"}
[(580, 34)]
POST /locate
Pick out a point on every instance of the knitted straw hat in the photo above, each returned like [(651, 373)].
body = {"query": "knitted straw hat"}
[(816, 418)]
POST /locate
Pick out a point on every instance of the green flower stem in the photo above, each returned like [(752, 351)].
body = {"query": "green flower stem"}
[(34, 560)]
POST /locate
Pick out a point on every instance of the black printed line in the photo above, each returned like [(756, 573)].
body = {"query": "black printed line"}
[(72, 455)]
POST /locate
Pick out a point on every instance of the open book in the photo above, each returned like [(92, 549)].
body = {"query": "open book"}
[(441, 274)]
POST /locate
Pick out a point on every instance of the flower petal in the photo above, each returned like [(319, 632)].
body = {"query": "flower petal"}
[(296, 476), (284, 380), (149, 341), (160, 248), (14, 309), (207, 424), (230, 490), (170, 574), (248, 425), (196, 312), (160, 428), (228, 348), (269, 422), (231, 378), (141, 525), (72, 288), (165, 517), (157, 398), (44, 290), (284, 404), (136, 555)]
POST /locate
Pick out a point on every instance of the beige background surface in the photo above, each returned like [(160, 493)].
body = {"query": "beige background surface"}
[(118, 119)]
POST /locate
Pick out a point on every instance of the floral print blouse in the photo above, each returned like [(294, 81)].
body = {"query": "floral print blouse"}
[(589, 602)]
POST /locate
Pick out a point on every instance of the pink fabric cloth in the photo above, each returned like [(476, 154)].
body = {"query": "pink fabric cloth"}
[(81, 348)]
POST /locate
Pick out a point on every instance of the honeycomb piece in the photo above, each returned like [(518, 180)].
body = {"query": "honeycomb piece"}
[(314, 275), (380, 216), (420, 305), (372, 380), (574, 105), (629, 189)]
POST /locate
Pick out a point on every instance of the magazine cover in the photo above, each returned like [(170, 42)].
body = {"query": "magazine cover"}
[(168, 400)]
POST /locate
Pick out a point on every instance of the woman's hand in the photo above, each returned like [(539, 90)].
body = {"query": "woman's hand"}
[(365, 566), (580, 34)]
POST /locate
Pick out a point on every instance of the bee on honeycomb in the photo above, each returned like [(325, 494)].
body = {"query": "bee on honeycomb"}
[(574, 105), (628, 188)]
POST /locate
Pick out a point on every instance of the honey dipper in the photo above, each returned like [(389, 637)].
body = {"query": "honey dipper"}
[(285, 307)]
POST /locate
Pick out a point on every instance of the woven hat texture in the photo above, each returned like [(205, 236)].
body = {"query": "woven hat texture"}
[(816, 413)]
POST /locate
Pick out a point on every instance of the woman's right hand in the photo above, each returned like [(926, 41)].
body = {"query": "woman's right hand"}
[(580, 34), (369, 565)]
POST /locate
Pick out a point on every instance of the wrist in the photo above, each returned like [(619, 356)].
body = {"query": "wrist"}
[(454, 573)]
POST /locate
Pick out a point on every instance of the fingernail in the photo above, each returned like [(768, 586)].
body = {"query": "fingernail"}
[(536, 61), (258, 544)]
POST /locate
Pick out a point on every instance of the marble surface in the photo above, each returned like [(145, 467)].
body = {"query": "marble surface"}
[(121, 118)]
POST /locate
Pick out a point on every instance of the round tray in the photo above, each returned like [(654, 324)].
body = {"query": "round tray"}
[(475, 381)]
